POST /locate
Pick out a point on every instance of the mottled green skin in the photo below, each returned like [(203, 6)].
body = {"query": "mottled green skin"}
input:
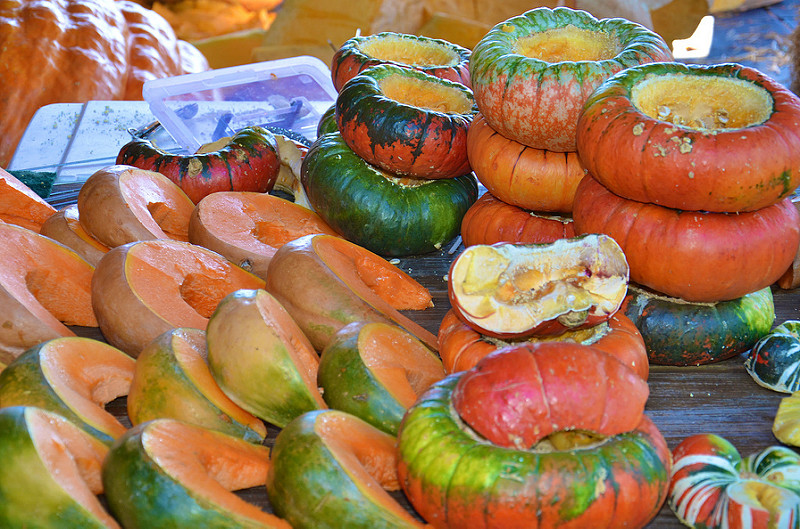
[(455, 479), (678, 333), (377, 212), (309, 486), (29, 496), (327, 122), (774, 360)]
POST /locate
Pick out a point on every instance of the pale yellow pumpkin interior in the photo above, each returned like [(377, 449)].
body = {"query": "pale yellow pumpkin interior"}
[(569, 44), (410, 51), (703, 102), (429, 95)]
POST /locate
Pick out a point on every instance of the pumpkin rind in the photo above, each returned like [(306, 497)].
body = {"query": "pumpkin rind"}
[(536, 102), (687, 166), (681, 333), (363, 51), (387, 215), (249, 161), (387, 116), (774, 360), (703, 257), (453, 479)]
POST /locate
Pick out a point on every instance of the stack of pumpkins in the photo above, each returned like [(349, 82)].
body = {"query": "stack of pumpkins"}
[(691, 168)]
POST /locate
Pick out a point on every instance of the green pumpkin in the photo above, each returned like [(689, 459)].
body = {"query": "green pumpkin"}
[(774, 361)]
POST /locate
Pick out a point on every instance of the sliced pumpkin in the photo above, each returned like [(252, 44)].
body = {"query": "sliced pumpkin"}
[(20, 205), (65, 227)]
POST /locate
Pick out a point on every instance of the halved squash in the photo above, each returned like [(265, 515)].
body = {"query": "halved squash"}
[(65, 227), (20, 205)]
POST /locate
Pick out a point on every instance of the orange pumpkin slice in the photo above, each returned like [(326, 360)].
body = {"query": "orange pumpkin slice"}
[(74, 377), (65, 227), (20, 205), (121, 204), (50, 474), (196, 468), (44, 286), (248, 228), (145, 288)]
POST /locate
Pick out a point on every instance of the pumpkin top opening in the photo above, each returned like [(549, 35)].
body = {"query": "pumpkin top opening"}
[(569, 44), (703, 102), (413, 52), (429, 95)]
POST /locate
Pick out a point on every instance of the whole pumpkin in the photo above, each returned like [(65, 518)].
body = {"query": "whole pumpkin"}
[(73, 51)]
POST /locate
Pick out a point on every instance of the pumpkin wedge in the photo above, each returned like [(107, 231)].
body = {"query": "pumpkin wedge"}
[(74, 377), (376, 371), (330, 470), (44, 286), (172, 380), (142, 289), (65, 227), (248, 228), (261, 359), (50, 476), (167, 473), (325, 282), (20, 205)]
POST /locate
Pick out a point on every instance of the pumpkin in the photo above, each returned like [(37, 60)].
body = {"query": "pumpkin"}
[(702, 257), (327, 121), (713, 487), (65, 227), (461, 346), (97, 50), (384, 213), (523, 176), (454, 478), (774, 360), (786, 425), (246, 161), (721, 138), (436, 57), (20, 205), (681, 333), (519, 290), (406, 122), (532, 73)]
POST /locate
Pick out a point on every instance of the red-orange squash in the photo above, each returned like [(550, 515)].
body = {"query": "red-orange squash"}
[(531, 178), (490, 221), (702, 257)]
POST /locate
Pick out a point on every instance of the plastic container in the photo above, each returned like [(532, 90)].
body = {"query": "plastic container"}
[(199, 108)]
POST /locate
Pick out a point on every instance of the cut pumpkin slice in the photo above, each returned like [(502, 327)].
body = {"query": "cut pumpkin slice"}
[(20, 205), (65, 227)]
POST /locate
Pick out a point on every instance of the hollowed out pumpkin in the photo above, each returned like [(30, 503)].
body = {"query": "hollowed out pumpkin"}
[(453, 478), (532, 73), (519, 290), (720, 138), (433, 56), (702, 257), (461, 346), (407, 122), (491, 221), (533, 179)]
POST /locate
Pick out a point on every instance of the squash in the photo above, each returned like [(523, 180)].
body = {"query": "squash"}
[(720, 138), (167, 473), (461, 346), (327, 121), (523, 176), (385, 214), (520, 394), (20, 205), (454, 479), (435, 57), (681, 333), (532, 73), (786, 425), (97, 50), (774, 361), (247, 161), (65, 227), (703, 257), (406, 122), (520, 290), (712, 486)]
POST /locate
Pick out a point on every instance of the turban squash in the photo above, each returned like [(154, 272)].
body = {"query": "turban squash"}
[(73, 51)]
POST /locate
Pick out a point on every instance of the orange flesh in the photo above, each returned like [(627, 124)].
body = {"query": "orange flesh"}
[(400, 362), (73, 457), (88, 374), (191, 353), (211, 464), (20, 205), (429, 95), (703, 102), (569, 44), (73, 223), (53, 282), (409, 51), (183, 282), (158, 203)]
